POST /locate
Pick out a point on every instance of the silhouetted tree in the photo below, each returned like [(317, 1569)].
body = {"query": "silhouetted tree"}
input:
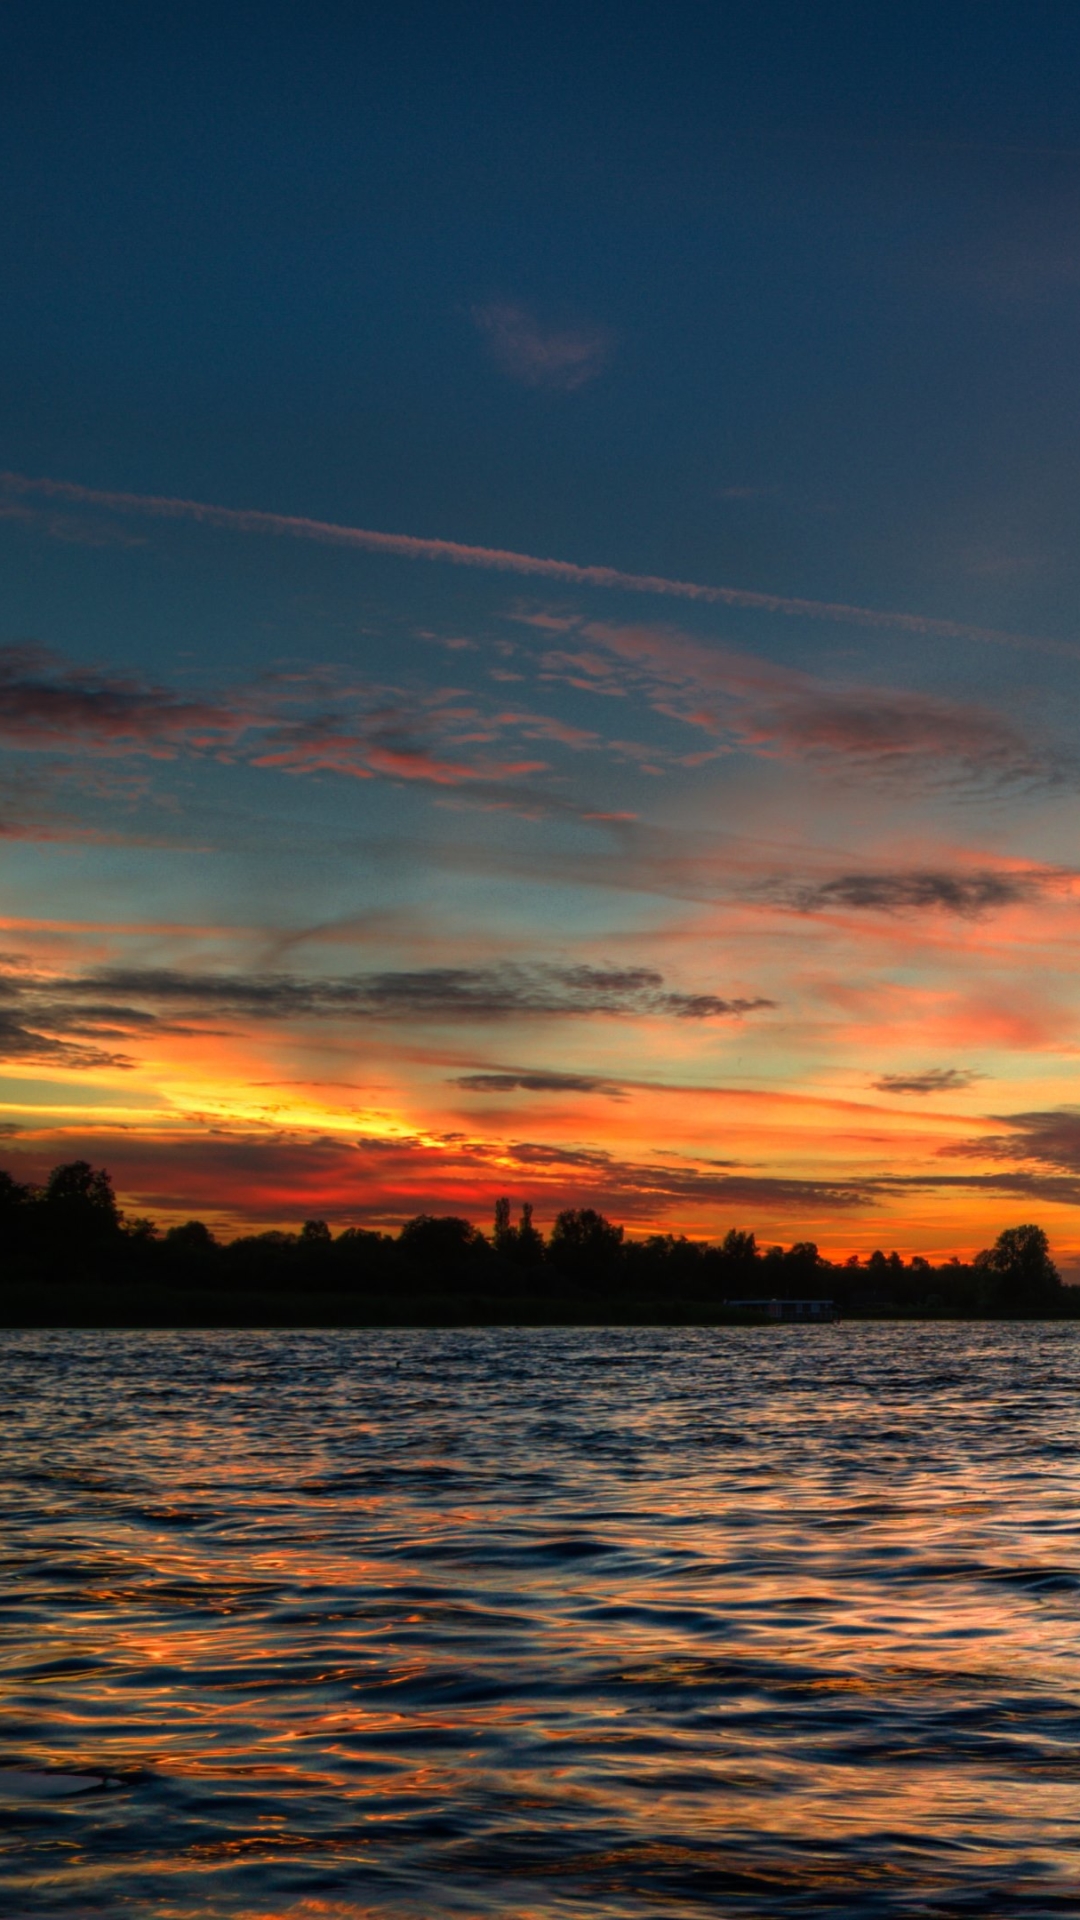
[(189, 1254), (530, 1240), (522, 1245), (801, 1268), (442, 1249), (739, 1246), (72, 1229), (1019, 1269), (16, 1222), (583, 1245), (311, 1262), (503, 1237), (190, 1240), (262, 1260), (80, 1226), (79, 1193), (13, 1195)]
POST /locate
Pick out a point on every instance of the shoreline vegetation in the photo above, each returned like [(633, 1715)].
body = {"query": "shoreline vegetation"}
[(70, 1258)]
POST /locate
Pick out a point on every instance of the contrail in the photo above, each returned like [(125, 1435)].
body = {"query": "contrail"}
[(407, 546)]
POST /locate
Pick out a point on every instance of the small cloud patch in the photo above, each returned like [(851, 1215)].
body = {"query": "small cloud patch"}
[(934, 1080), (558, 358)]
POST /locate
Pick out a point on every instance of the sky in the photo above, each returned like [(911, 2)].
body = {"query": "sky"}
[(538, 636)]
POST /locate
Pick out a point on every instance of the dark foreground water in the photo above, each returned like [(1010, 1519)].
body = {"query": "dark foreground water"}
[(779, 1621)]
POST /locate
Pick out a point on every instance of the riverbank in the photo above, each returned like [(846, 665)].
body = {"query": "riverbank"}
[(83, 1306)]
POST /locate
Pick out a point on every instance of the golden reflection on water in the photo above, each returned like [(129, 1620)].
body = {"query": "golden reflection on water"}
[(536, 1624)]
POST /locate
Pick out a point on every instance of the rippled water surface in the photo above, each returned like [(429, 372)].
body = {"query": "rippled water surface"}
[(746, 1621)]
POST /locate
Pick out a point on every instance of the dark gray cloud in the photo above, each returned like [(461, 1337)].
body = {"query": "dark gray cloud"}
[(920, 891), (933, 1080), (477, 993), (537, 1083), (1059, 1189), (1051, 1137), (115, 1002), (634, 1187), (21, 1041), (706, 1006)]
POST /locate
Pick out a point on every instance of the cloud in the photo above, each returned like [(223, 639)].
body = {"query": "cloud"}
[(1050, 1137), (967, 894), (634, 1187), (130, 1000), (754, 705), (20, 1043), (494, 559), (282, 1176), (561, 359), (395, 739), (537, 1083), (1055, 1189), (260, 1180), (325, 721), (933, 1080), (302, 723), (45, 705), (707, 1006)]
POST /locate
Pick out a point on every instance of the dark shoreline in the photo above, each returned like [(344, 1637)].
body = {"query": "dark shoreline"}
[(69, 1257), (82, 1308)]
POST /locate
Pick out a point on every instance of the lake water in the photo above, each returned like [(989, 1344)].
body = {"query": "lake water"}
[(774, 1621)]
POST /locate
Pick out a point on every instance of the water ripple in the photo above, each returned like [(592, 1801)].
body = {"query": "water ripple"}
[(318, 1626)]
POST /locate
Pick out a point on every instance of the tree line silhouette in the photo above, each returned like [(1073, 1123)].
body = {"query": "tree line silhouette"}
[(71, 1233)]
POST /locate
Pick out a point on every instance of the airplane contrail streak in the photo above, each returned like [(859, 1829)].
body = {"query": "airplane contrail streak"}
[(407, 546)]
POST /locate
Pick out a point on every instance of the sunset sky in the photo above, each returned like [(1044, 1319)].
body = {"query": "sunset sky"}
[(539, 642)]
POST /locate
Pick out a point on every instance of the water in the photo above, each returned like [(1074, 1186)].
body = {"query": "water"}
[(541, 1623)]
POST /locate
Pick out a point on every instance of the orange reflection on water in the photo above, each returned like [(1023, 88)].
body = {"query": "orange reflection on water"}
[(584, 1618)]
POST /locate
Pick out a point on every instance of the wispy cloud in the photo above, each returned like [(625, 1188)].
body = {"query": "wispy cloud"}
[(316, 721), (560, 358), (302, 723), (752, 704), (499, 560)]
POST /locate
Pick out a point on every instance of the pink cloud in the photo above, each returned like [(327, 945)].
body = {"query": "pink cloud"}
[(444, 773), (752, 703), (51, 706), (539, 726)]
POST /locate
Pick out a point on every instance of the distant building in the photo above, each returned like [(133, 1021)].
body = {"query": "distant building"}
[(785, 1309)]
